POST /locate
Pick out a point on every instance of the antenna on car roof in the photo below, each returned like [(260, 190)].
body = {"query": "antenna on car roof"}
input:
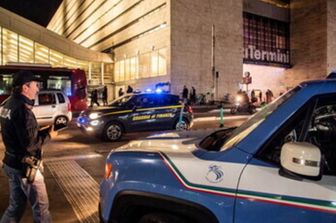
[(332, 75)]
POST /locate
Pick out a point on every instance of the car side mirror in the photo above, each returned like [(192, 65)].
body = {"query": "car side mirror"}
[(301, 158)]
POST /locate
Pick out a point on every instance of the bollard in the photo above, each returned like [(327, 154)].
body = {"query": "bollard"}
[(181, 125), (181, 112), (221, 121)]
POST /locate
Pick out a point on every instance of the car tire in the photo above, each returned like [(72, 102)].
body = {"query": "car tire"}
[(113, 131), (182, 126), (233, 110), (160, 218), (61, 120)]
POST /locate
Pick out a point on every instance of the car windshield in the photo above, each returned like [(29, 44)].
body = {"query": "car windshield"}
[(121, 100), (248, 126)]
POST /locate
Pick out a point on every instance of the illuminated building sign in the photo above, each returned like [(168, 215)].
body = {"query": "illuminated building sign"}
[(266, 41), (280, 56)]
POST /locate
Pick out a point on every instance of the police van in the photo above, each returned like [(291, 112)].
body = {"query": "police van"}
[(279, 166), (136, 112)]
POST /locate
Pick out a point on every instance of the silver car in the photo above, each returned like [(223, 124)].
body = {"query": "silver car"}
[(52, 107)]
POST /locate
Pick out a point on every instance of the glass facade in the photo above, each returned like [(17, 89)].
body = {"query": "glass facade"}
[(19, 49), (149, 64), (266, 41)]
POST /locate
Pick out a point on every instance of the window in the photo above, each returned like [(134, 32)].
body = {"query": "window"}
[(10, 46), (26, 50), (61, 98), (166, 100), (144, 65), (5, 84), (265, 40), (314, 123), (247, 127), (46, 99), (61, 83), (145, 101)]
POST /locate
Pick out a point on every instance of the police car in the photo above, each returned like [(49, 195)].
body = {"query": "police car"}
[(136, 112), (279, 166)]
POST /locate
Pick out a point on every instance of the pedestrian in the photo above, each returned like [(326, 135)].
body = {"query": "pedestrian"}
[(269, 96), (129, 89), (185, 94), (193, 95), (94, 98), (23, 150), (120, 92), (253, 97), (104, 95)]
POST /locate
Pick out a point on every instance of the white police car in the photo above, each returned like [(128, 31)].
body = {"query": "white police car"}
[(278, 166)]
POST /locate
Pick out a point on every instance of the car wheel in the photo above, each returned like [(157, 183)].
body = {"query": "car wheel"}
[(160, 218), (61, 120), (182, 125), (112, 132), (233, 110)]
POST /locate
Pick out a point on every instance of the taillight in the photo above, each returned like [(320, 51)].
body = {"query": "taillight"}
[(188, 108), (69, 107), (108, 170)]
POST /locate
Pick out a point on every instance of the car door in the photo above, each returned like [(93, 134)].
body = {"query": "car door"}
[(45, 108), (167, 111), (269, 193), (142, 118)]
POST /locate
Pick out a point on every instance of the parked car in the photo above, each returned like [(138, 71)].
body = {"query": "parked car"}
[(278, 166), (134, 113), (52, 107)]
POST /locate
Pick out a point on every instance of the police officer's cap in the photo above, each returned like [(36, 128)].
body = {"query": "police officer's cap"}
[(23, 76)]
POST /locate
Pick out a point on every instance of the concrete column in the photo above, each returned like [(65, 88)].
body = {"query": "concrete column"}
[(102, 73), (90, 72)]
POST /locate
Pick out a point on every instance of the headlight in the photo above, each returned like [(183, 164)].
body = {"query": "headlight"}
[(94, 115), (94, 122), (238, 98)]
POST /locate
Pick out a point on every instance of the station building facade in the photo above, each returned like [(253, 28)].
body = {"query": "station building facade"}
[(205, 44)]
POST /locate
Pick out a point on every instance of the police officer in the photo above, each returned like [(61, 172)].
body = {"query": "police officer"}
[(23, 141)]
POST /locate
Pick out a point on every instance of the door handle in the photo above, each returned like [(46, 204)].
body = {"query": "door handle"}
[(53, 106)]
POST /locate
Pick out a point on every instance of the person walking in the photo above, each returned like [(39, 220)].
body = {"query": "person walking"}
[(104, 96), (193, 95), (185, 92), (120, 92), (129, 89), (94, 98), (23, 149), (269, 96)]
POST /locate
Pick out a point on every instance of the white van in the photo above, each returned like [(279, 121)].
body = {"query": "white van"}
[(52, 107)]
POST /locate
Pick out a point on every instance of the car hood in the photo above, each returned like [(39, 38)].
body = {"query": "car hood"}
[(177, 142)]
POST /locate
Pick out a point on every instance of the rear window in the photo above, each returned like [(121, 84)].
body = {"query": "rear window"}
[(166, 100), (61, 98), (46, 99)]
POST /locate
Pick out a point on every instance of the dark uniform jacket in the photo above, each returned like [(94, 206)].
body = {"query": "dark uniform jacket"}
[(20, 132)]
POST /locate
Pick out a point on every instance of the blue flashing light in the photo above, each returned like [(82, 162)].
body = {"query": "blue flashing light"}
[(82, 120), (148, 90), (159, 91)]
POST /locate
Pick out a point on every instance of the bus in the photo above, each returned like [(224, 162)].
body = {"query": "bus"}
[(71, 81)]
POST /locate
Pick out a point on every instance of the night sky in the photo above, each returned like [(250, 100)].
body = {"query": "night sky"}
[(38, 11)]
